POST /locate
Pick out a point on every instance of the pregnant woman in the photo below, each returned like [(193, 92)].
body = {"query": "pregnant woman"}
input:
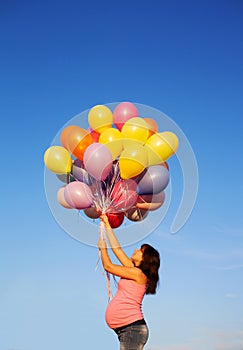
[(139, 276)]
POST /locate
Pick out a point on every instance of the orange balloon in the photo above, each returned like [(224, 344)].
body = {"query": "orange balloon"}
[(164, 164), (78, 140), (65, 132), (152, 126)]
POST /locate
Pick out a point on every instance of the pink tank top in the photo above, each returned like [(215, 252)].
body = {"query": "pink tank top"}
[(126, 306)]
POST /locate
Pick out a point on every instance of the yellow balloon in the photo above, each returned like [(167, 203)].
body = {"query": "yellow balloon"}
[(112, 138), (161, 146), (153, 157), (170, 134), (135, 129), (100, 118), (133, 160), (58, 160)]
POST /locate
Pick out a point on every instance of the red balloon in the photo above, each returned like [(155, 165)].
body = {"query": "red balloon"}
[(124, 194), (95, 135), (115, 219)]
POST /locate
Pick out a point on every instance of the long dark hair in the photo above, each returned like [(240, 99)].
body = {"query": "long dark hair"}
[(150, 267)]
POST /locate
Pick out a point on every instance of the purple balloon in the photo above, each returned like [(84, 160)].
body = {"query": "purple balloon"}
[(80, 174), (66, 178), (78, 195), (154, 180), (98, 161)]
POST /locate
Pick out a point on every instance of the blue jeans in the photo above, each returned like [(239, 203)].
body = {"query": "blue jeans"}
[(133, 337)]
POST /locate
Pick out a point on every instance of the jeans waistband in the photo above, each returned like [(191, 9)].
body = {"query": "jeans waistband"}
[(135, 323)]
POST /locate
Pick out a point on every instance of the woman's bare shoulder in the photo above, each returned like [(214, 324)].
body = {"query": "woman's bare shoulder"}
[(141, 278)]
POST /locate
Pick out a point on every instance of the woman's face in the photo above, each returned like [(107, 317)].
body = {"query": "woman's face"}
[(137, 256)]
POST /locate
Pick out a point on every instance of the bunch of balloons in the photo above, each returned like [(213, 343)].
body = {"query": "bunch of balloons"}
[(118, 166)]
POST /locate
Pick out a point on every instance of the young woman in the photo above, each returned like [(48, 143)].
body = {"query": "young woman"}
[(139, 276)]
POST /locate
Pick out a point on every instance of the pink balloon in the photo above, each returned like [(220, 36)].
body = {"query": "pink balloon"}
[(124, 195), (78, 195), (123, 112), (98, 161)]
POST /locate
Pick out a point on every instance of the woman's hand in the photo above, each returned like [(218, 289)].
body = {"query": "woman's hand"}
[(102, 243)]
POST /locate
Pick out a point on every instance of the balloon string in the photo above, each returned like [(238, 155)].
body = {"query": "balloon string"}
[(102, 231), (97, 264), (103, 191), (110, 188), (108, 285), (140, 214)]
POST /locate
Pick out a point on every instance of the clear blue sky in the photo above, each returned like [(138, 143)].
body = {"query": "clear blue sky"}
[(59, 58)]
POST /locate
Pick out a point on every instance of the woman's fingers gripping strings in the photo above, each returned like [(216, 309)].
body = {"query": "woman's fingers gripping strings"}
[(105, 220)]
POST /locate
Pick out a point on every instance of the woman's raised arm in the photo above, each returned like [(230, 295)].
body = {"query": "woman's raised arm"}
[(128, 272), (114, 243)]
